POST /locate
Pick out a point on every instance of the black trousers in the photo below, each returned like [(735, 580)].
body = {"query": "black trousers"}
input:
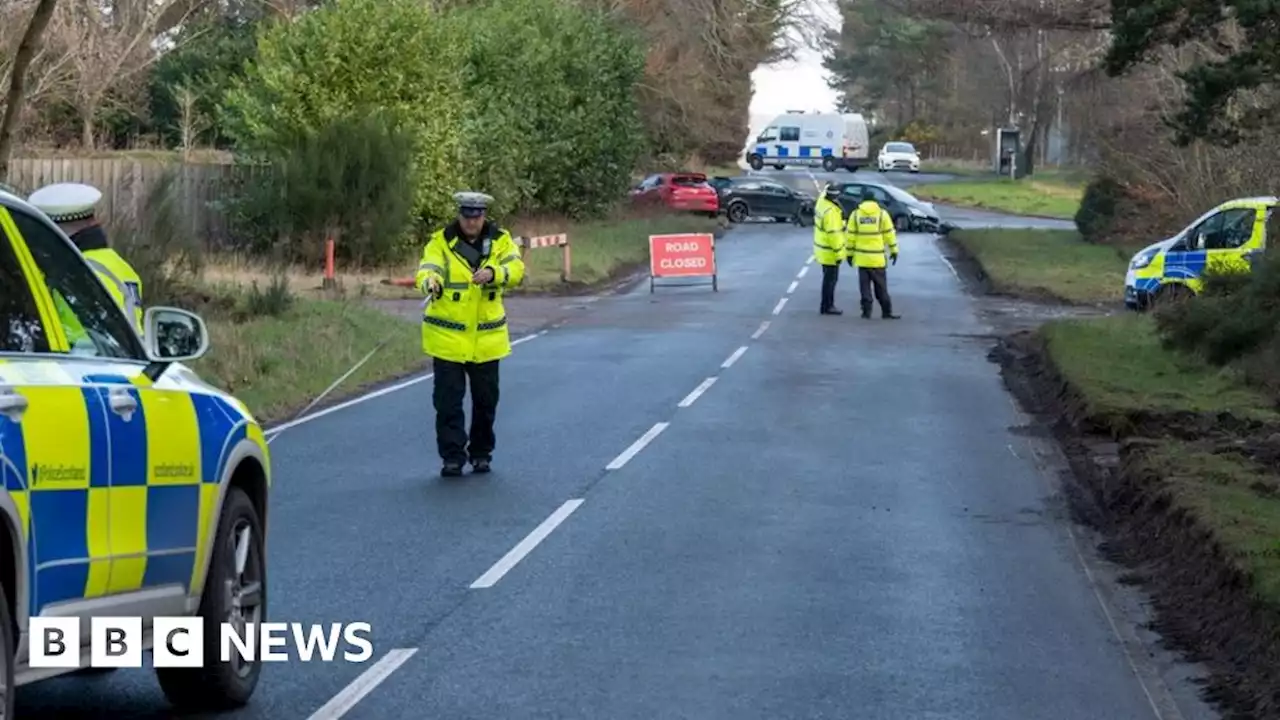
[(876, 279), (830, 274), (456, 445)]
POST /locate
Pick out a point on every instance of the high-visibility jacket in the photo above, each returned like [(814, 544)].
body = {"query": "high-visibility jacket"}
[(71, 325), (870, 229), (121, 280), (828, 232), (468, 322)]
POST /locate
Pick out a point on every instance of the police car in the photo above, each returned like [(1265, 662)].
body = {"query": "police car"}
[(1225, 239), (131, 487)]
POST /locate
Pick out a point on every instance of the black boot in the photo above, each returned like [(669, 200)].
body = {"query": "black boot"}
[(833, 310), (886, 312), (480, 466), (866, 310), (451, 470)]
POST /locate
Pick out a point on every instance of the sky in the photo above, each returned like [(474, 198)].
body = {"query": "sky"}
[(802, 83), (798, 85)]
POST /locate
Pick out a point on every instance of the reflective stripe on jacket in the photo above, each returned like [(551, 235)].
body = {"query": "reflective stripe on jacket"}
[(121, 280), (828, 232), (870, 228), (468, 322)]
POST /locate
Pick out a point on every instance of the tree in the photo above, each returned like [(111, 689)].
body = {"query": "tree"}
[(566, 126), (27, 49), (110, 46), (327, 63), (1231, 89)]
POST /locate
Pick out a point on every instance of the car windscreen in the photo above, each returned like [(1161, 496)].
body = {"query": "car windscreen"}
[(899, 194), (688, 180), (899, 148)]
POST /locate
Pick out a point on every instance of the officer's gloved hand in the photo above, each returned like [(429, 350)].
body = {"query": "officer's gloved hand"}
[(433, 287), (894, 258)]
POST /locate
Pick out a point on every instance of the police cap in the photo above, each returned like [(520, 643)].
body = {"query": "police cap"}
[(66, 202), (868, 195), (472, 204), (831, 190)]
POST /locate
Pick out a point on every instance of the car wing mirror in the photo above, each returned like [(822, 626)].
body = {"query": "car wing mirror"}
[(173, 335)]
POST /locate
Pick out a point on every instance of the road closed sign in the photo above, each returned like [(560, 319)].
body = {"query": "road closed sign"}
[(675, 256)]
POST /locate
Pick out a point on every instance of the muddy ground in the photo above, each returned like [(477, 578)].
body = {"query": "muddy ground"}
[(1201, 602)]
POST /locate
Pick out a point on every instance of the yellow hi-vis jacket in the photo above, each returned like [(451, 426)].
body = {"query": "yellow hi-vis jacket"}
[(870, 228), (468, 322), (828, 232), (121, 280)]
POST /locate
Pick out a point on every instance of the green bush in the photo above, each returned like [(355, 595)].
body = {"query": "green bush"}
[(350, 180), (1098, 206), (1235, 318), (553, 122), (396, 55)]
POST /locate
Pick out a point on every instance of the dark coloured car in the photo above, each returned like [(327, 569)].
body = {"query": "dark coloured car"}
[(909, 214), (754, 197)]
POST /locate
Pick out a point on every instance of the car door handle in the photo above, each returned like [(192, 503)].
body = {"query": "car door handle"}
[(12, 405), (123, 404)]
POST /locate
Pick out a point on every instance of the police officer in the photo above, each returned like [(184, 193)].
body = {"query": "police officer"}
[(828, 245), (71, 206), (870, 229), (466, 267)]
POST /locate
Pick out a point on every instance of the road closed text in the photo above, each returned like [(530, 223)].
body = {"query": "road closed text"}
[(676, 255), (180, 642)]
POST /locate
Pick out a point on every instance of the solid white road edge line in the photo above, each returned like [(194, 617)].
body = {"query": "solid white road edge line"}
[(697, 392), (763, 326), (270, 434), (734, 357), (793, 286), (636, 446), (803, 270), (526, 546), (950, 267), (777, 309), (363, 685)]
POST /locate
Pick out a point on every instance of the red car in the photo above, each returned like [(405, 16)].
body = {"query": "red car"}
[(679, 191)]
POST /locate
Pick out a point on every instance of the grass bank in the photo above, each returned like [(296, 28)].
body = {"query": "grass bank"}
[(277, 353), (1046, 264), (1052, 195), (601, 251), (1177, 462)]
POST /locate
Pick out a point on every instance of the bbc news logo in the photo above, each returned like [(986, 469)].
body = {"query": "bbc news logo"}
[(117, 642)]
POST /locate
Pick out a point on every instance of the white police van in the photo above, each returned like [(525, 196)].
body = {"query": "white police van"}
[(827, 140)]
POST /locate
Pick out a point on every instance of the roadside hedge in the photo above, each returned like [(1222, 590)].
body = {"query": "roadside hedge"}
[(532, 101)]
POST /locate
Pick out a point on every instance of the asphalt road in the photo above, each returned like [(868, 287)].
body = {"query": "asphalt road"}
[(843, 523)]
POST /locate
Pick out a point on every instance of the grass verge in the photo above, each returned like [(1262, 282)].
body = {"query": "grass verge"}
[(1189, 496), (1045, 264), (278, 363), (1119, 369), (1051, 196), (600, 251)]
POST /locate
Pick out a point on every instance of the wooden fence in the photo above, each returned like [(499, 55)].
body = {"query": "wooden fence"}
[(126, 182)]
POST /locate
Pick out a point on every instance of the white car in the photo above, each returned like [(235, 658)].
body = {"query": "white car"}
[(898, 156)]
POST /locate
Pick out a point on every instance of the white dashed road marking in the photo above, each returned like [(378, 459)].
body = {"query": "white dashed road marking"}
[(734, 357), (697, 392), (342, 703), (802, 272), (792, 288), (809, 261), (763, 326), (636, 446), (526, 546), (777, 309)]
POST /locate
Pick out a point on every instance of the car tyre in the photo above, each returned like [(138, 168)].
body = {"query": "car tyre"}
[(737, 212), (828, 164), (756, 162), (1171, 293), (902, 223), (233, 585), (8, 701)]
